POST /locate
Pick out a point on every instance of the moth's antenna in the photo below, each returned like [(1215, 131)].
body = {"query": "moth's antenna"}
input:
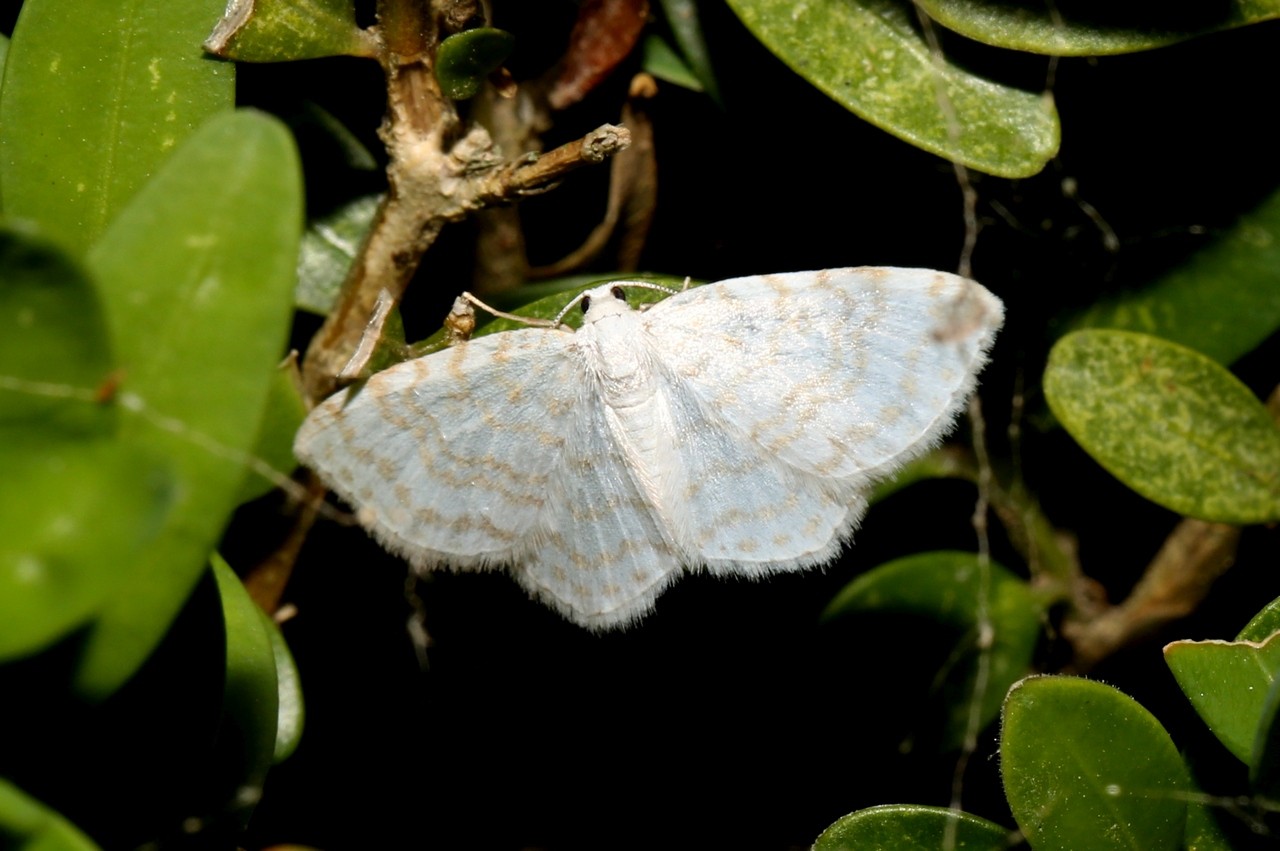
[(502, 314), (565, 310)]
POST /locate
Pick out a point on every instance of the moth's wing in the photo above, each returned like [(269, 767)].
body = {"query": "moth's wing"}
[(604, 557), (448, 458), (496, 452), (841, 373), (739, 509)]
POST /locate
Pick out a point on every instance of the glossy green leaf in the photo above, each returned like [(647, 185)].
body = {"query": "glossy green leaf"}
[(1264, 756), (284, 413), (4, 53), (74, 514), (54, 349), (1097, 30), (466, 59), (868, 56), (96, 96), (197, 275), (283, 30), (1085, 766), (1227, 683), (1203, 831), (661, 61), (1222, 302), (682, 17), (952, 588), (75, 504), (329, 245), (898, 826), (1169, 423), (250, 698), (28, 825), (292, 715), (1263, 625)]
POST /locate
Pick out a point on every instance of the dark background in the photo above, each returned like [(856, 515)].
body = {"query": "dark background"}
[(730, 718)]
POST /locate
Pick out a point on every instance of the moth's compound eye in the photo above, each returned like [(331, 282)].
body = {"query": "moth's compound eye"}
[(617, 293), (586, 303)]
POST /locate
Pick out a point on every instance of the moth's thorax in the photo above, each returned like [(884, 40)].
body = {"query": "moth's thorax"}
[(615, 343)]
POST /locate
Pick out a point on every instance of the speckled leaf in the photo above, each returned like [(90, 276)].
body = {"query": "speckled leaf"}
[(1085, 766), (1222, 302), (1227, 683), (197, 275), (682, 17), (28, 825), (951, 588), (898, 826), (250, 697), (868, 57), (283, 30), (96, 96), (466, 59), (1103, 28), (1263, 625), (328, 246), (1169, 423)]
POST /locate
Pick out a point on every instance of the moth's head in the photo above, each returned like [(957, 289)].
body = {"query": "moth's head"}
[(603, 301)]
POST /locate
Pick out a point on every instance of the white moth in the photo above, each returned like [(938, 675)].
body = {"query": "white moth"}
[(735, 427)]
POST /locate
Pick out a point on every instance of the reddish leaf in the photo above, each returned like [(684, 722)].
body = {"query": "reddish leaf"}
[(605, 33)]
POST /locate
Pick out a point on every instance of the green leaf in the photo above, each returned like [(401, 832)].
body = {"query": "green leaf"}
[(197, 277), (54, 350), (284, 413), (953, 589), (1203, 831), (1264, 624), (661, 61), (466, 59), (868, 57), (75, 505), (73, 515), (28, 825), (682, 17), (292, 714), (250, 699), (1223, 302), (96, 96), (284, 30), (329, 245), (1227, 683), (1085, 766), (1169, 423), (938, 464), (1264, 756), (898, 826), (1097, 30)]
